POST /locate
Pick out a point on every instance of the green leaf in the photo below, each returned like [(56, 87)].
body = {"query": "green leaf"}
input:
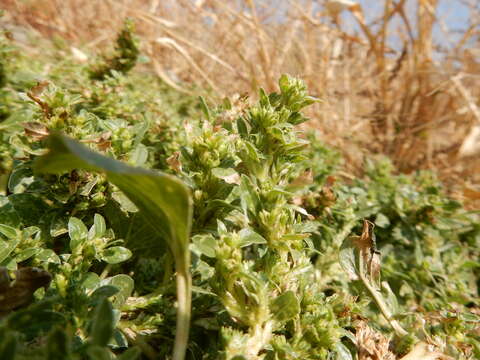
[(99, 353), (229, 175), (382, 221), (48, 256), (116, 254), (391, 298), (139, 236), (100, 226), (103, 323), (6, 247), (284, 82), (125, 203), (139, 155), (342, 352), (163, 199), (8, 231), (104, 291), (90, 280), (8, 347), (348, 259), (242, 128), (204, 244), (119, 340), (285, 307), (249, 237), (77, 231), (132, 353), (8, 213), (124, 284), (27, 253), (58, 345), (204, 107)]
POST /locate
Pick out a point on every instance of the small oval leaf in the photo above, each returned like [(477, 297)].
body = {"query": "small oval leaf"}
[(116, 254)]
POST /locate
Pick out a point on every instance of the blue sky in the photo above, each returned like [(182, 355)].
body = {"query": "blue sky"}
[(452, 12)]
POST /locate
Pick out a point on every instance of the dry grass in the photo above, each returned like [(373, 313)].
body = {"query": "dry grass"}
[(406, 98)]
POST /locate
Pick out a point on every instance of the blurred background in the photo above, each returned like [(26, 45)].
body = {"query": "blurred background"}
[(395, 77)]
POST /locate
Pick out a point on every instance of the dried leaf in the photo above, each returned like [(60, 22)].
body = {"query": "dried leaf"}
[(422, 351), (174, 162), (35, 130), (372, 345)]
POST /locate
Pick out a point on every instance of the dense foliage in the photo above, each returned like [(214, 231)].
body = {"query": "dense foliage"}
[(270, 266)]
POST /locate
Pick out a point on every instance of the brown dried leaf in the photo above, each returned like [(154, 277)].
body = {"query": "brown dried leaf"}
[(366, 245), (35, 130), (38, 89), (103, 142), (372, 345), (34, 94), (422, 351), (174, 162)]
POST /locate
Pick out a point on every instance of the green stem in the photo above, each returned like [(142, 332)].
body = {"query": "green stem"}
[(184, 300), (400, 331)]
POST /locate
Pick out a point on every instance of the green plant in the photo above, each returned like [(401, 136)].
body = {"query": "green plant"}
[(124, 57), (134, 201)]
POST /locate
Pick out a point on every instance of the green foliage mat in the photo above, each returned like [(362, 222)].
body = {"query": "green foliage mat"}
[(137, 222)]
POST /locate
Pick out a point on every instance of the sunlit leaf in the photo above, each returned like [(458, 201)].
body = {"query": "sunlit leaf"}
[(116, 254)]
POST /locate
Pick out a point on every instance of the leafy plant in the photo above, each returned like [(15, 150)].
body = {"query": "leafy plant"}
[(163, 200), (124, 57), (153, 215)]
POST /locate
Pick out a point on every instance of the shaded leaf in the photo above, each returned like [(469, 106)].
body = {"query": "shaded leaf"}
[(99, 353), (102, 292), (102, 326), (132, 353), (124, 284)]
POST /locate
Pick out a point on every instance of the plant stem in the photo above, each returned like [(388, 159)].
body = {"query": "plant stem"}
[(400, 331), (184, 300)]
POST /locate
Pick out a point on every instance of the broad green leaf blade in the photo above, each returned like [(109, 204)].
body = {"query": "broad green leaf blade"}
[(100, 226), (163, 199), (102, 327), (58, 345), (348, 259), (6, 247), (8, 231), (116, 254), (249, 237), (77, 231), (124, 284), (204, 244), (104, 291)]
